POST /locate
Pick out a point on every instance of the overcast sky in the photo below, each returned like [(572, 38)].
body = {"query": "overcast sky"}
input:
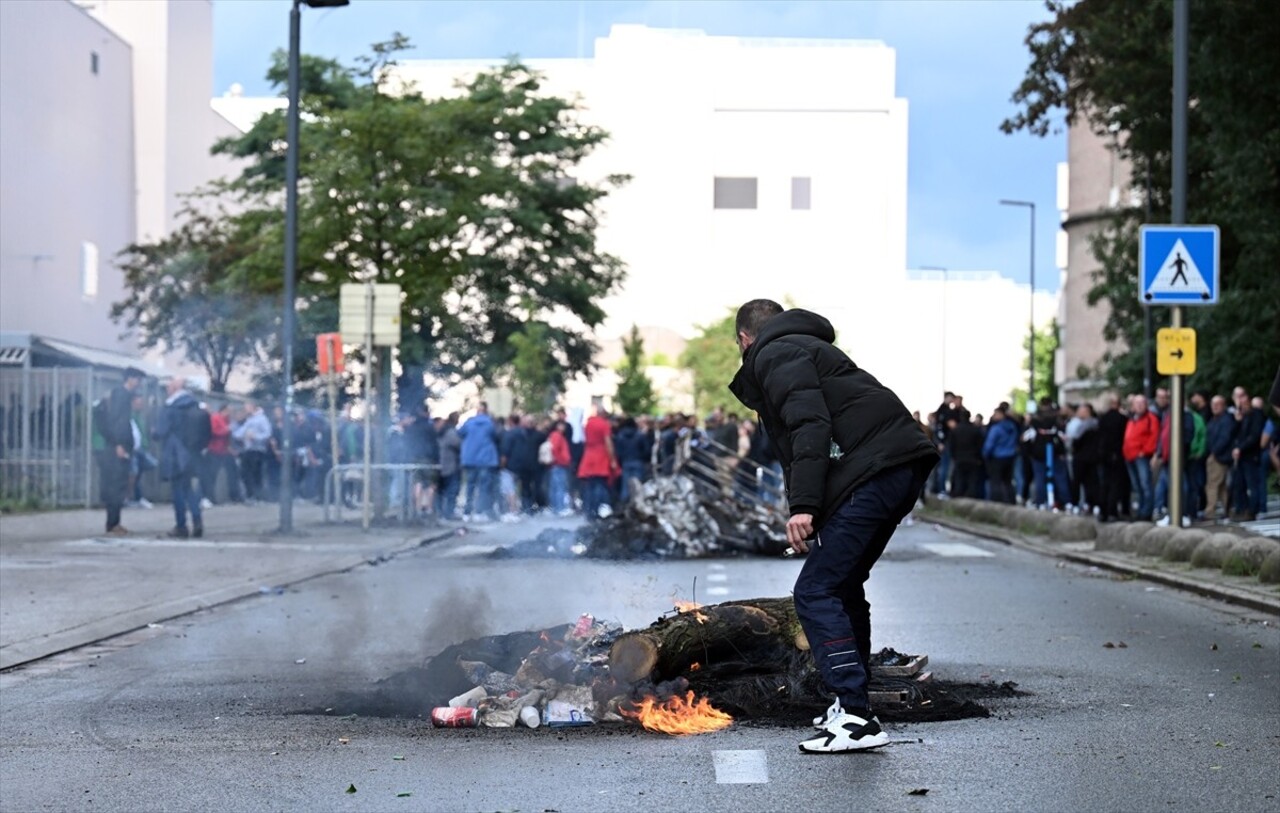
[(958, 62)]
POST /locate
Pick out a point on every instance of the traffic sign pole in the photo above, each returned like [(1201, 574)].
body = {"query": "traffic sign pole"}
[(1179, 158)]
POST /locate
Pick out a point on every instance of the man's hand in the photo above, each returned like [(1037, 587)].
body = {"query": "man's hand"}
[(121, 453), (799, 529)]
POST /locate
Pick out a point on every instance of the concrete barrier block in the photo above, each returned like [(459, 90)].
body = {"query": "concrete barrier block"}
[(1109, 534), (987, 512), (1073, 529), (1269, 573), (1246, 556), (1132, 533), (961, 506), (1153, 541), (1213, 551), (1183, 544)]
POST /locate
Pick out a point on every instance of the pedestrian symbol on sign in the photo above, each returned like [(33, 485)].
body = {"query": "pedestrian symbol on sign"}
[(1179, 274)]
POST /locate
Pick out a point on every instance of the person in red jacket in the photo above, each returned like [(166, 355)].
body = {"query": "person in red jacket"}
[(598, 463), (1141, 437), (561, 458), (219, 457)]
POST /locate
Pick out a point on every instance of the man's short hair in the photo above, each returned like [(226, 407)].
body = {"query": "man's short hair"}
[(134, 372), (753, 315)]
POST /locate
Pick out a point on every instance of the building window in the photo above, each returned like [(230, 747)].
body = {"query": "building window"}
[(93, 62), (800, 193), (735, 193), (88, 270)]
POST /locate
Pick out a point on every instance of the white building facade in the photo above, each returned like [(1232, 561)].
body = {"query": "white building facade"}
[(105, 124), (772, 168)]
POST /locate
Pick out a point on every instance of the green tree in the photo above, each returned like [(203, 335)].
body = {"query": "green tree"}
[(532, 376), (635, 394), (469, 203), (185, 293), (1109, 62), (1047, 343), (713, 357)]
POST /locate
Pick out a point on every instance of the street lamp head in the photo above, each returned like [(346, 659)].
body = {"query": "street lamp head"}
[(325, 3), (1017, 203)]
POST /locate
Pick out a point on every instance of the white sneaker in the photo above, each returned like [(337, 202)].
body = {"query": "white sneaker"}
[(846, 732), (205, 504), (145, 503)]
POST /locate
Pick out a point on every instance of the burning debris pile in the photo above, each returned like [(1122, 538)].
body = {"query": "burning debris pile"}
[(695, 669), (668, 517)]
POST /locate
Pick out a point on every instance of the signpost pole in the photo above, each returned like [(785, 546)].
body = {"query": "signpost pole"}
[(1180, 24), (368, 404)]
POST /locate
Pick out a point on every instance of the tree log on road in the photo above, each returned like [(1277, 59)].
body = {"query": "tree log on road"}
[(760, 636)]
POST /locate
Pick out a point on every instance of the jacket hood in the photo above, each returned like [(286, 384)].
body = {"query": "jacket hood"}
[(796, 320), (182, 400), (788, 323)]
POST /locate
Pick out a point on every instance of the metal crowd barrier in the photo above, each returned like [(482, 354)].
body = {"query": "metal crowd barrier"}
[(333, 488)]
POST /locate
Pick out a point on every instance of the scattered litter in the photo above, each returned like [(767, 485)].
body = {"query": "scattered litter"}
[(1219, 744), (351, 788), (344, 740), (1126, 705), (1211, 694), (404, 794), (275, 753), (155, 626), (301, 660), (1215, 767), (277, 590), (918, 792), (1213, 647), (1257, 645), (398, 757)]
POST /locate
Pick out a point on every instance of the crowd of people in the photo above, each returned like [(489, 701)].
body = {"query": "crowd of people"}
[(1114, 464), (441, 468)]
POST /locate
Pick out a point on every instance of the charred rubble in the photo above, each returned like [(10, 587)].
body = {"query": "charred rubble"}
[(746, 661)]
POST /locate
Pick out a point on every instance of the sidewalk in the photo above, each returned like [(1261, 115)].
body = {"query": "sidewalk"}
[(1211, 583), (63, 584)]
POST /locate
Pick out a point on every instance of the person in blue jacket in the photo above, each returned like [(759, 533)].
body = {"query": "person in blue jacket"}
[(999, 451), (479, 463)]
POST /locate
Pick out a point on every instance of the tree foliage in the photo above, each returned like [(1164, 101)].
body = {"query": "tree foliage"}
[(713, 357), (469, 202), (186, 293), (1110, 63), (635, 394), (533, 376), (1047, 343)]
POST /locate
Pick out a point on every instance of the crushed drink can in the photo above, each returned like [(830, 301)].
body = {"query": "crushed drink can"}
[(461, 717)]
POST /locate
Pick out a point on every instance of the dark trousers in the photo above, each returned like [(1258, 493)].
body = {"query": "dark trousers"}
[(1085, 477), (113, 472), (965, 480), (1115, 491), (830, 598), (252, 464), (528, 482), (1000, 478), (215, 464), (186, 498)]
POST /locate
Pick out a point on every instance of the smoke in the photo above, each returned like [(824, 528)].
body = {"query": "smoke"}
[(456, 616)]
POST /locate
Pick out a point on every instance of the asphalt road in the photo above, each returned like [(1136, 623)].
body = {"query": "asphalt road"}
[(204, 714)]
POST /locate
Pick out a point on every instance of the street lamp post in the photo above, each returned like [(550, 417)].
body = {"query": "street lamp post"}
[(291, 254), (944, 319), (1031, 361)]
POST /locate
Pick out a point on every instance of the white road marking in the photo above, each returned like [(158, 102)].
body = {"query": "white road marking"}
[(717, 591), (715, 566), (740, 767), (717, 577), (955, 550)]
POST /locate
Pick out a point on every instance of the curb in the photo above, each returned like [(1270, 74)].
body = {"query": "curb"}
[(1221, 592), (139, 618)]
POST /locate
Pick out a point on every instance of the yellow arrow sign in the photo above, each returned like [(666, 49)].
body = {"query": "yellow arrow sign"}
[(1176, 351)]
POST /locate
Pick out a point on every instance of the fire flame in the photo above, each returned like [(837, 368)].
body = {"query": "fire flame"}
[(678, 715), (693, 667)]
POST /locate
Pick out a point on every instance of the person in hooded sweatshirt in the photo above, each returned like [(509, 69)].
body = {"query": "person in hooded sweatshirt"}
[(854, 464), (479, 457), (183, 432)]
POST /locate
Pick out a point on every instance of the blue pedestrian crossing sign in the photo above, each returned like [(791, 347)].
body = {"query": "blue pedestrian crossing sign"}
[(1178, 265)]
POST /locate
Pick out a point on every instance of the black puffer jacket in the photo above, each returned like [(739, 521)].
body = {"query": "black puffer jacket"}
[(832, 424)]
